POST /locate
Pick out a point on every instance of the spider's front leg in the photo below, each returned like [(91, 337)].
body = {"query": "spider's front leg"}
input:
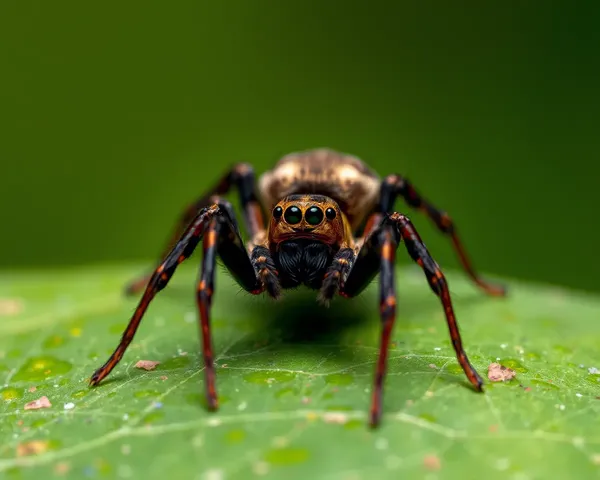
[(378, 255), (217, 227)]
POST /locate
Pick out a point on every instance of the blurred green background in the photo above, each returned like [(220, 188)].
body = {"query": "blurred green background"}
[(115, 115)]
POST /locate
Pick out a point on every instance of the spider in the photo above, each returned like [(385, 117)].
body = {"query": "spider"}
[(332, 227)]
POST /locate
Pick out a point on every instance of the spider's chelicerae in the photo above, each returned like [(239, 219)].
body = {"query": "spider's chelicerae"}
[(318, 202)]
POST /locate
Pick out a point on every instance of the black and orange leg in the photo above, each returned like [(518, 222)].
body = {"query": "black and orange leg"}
[(217, 226), (394, 185), (378, 256), (241, 176), (336, 275)]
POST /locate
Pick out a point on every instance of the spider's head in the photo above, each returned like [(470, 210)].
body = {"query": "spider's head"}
[(314, 217)]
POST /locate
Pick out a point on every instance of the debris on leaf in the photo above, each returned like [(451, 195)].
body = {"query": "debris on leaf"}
[(500, 373), (69, 406), (335, 417), (34, 447), (146, 364), (62, 468), (432, 462), (163, 377), (32, 389), (10, 306), (593, 371), (39, 403)]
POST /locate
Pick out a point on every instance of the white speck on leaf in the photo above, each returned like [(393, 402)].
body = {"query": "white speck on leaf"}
[(578, 442), (242, 406), (437, 349), (503, 346), (214, 422), (578, 395), (69, 406), (593, 371), (213, 474)]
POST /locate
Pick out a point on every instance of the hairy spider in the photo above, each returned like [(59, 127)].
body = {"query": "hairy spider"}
[(319, 202)]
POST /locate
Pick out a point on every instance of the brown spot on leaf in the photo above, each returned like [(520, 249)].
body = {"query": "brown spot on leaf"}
[(432, 462), (500, 373), (146, 364), (34, 447), (62, 468), (10, 306), (335, 417)]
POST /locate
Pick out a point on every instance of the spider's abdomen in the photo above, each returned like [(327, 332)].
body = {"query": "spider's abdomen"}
[(302, 262), (344, 178)]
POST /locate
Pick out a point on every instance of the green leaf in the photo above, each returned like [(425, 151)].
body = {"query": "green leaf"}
[(294, 381)]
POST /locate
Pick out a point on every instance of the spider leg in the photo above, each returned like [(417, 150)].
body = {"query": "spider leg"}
[(378, 254), (242, 177), (336, 275), (395, 185), (217, 227), (255, 273)]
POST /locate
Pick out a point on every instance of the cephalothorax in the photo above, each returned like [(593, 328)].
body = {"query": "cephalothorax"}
[(331, 227)]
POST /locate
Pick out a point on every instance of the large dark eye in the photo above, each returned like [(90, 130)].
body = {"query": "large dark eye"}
[(293, 215), (314, 216), (277, 212), (330, 213)]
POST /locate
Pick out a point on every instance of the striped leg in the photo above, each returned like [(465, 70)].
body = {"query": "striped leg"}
[(242, 177), (218, 229), (378, 256), (395, 185), (336, 275)]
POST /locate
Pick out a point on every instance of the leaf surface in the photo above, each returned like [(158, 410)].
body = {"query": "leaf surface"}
[(294, 381)]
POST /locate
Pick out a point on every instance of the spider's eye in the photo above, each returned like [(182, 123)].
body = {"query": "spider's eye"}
[(293, 215), (314, 216), (277, 212), (330, 213)]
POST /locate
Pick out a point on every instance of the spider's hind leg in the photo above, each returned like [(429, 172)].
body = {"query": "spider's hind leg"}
[(240, 176), (394, 185)]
